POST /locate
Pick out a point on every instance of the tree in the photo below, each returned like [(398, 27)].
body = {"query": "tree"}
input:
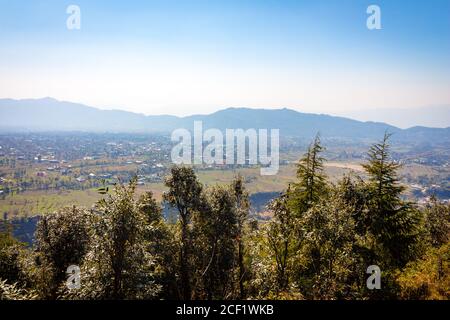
[(215, 232), (62, 239), (428, 278), (242, 207), (395, 224), (353, 192), (311, 181), (326, 254), (184, 194), (159, 237), (281, 239), (14, 292), (12, 253), (438, 222), (118, 264), (353, 195)]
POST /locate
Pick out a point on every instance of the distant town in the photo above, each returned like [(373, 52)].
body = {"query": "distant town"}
[(38, 171)]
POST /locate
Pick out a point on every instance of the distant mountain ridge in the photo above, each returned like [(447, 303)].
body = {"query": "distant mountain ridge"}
[(427, 116), (52, 115)]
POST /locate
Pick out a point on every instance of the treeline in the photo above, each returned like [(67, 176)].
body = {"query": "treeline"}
[(318, 245)]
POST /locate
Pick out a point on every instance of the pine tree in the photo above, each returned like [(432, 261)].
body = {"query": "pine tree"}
[(311, 181), (354, 194), (395, 224)]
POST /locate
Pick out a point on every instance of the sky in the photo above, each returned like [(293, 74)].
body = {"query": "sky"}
[(189, 57)]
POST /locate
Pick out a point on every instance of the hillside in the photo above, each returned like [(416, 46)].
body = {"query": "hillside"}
[(51, 115)]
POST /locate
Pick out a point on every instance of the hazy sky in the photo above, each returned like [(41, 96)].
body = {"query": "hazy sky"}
[(184, 57)]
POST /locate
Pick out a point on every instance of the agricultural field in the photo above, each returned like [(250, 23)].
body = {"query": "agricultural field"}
[(37, 202)]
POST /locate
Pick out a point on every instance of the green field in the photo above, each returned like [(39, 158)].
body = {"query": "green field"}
[(30, 203)]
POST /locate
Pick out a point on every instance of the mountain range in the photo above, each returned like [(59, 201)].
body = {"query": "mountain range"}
[(48, 114)]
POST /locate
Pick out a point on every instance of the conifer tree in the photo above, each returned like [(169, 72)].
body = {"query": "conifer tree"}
[(395, 224), (311, 181)]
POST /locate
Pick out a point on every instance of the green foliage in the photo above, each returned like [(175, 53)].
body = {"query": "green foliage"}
[(185, 192), (281, 238), (10, 255), (318, 244), (427, 278), (395, 224), (13, 292), (311, 181), (437, 217), (118, 264), (6, 237), (62, 240), (326, 254), (242, 207), (160, 244), (263, 281), (186, 195), (216, 233)]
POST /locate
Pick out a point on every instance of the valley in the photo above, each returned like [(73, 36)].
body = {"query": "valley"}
[(40, 173)]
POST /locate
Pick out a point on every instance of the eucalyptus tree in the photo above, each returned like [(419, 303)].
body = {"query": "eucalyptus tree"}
[(185, 194)]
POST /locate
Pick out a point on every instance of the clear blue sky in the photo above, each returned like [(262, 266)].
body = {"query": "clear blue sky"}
[(184, 57)]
